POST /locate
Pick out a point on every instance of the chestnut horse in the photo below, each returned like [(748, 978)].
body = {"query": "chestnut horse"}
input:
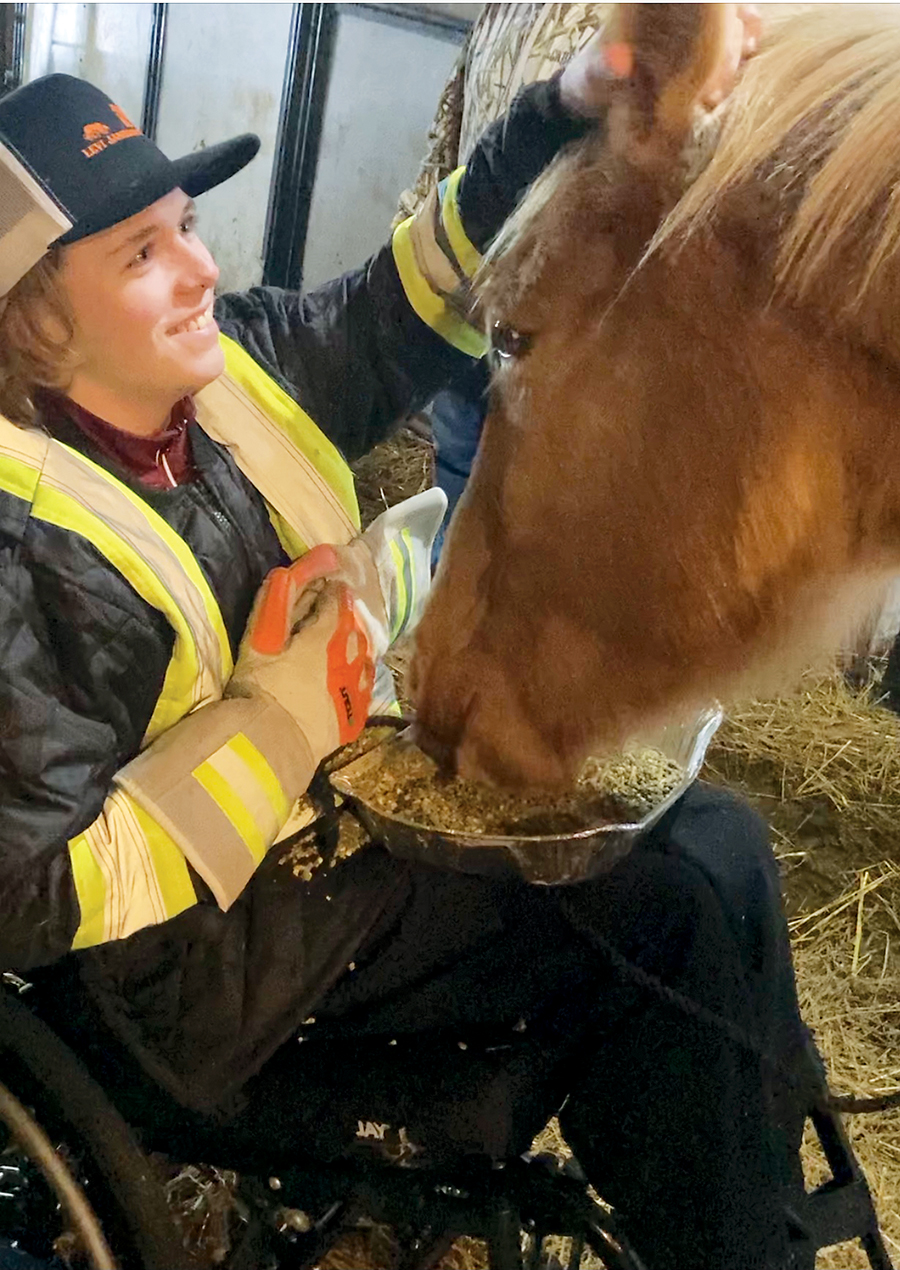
[(689, 481)]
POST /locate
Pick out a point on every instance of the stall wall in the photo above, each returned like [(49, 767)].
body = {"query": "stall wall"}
[(385, 84), (107, 44), (223, 74)]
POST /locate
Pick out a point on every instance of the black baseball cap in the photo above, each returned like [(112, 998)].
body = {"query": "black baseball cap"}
[(95, 164)]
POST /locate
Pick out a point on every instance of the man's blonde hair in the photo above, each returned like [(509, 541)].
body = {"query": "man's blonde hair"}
[(36, 329)]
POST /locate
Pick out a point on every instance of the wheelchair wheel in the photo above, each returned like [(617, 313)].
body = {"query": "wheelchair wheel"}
[(47, 1096), (79, 1231)]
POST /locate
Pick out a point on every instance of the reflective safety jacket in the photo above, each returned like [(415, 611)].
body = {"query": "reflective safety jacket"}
[(121, 610)]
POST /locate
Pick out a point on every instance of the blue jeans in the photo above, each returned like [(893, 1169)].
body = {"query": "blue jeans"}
[(457, 417)]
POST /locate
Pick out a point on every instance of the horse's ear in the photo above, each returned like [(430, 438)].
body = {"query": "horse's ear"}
[(675, 48)]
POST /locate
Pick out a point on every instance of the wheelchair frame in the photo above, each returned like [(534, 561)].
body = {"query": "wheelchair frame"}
[(520, 1202)]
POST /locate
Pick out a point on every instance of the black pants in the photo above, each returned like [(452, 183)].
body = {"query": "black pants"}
[(488, 1006), (653, 1008)]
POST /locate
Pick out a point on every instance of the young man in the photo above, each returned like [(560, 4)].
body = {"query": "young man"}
[(163, 702)]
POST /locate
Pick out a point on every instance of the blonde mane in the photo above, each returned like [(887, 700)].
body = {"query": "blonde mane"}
[(816, 115)]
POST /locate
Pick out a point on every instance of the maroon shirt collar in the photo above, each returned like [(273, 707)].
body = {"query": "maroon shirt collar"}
[(159, 462)]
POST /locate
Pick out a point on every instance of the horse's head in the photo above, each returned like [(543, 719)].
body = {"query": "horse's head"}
[(687, 476)]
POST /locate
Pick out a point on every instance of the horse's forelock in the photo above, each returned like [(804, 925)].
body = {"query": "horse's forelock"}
[(514, 261), (815, 118), (563, 206)]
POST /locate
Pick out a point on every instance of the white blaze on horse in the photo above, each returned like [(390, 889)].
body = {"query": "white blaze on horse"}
[(689, 482)]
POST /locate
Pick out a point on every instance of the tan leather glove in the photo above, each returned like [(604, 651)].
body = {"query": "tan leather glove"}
[(310, 646), (388, 570), (222, 782)]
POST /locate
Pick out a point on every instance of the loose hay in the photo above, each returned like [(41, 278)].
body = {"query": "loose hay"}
[(826, 742), (398, 468)]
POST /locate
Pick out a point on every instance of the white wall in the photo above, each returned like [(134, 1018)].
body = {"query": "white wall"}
[(384, 89), (223, 74), (107, 44)]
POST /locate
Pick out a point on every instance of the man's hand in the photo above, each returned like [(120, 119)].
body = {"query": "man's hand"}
[(586, 82), (308, 649)]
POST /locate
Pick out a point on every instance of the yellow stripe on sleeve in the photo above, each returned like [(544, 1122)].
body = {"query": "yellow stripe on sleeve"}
[(467, 254), (231, 806), (169, 864), (432, 310), (128, 874), (90, 888)]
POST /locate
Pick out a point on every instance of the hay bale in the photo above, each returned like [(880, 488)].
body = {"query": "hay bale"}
[(510, 45), (516, 44)]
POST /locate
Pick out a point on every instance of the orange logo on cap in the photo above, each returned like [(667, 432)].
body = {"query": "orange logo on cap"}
[(100, 135), (121, 116)]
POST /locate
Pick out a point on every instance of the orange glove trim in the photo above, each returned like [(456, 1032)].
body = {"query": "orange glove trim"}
[(350, 679), (271, 625)]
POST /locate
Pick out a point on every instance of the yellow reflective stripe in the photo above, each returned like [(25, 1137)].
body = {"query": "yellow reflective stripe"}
[(231, 806), (259, 766), (290, 540), (169, 864), (179, 689), (467, 254), (18, 478), (176, 692), (293, 420), (431, 308), (67, 489), (181, 674), (406, 538), (90, 887), (128, 874)]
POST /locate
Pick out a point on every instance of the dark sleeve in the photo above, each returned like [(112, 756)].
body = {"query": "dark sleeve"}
[(355, 353), (57, 756), (511, 153)]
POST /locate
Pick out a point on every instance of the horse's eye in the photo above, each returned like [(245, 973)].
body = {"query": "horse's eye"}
[(507, 342)]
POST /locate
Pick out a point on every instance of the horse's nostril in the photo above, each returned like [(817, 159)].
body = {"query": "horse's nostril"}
[(443, 753)]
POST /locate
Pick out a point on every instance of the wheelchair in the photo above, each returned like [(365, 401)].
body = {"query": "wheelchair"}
[(78, 1190)]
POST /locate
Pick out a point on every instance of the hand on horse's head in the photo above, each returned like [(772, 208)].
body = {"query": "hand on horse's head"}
[(608, 59), (743, 26)]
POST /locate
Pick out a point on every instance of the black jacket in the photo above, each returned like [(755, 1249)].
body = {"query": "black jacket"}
[(206, 997)]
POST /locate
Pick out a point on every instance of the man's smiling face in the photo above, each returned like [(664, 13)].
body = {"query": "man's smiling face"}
[(142, 296)]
